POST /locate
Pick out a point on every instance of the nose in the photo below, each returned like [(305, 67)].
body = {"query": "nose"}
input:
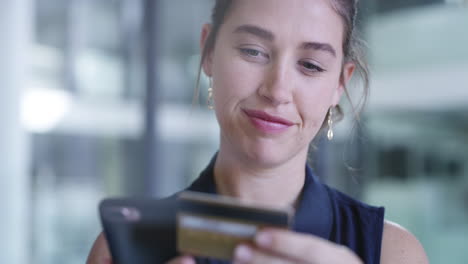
[(277, 87)]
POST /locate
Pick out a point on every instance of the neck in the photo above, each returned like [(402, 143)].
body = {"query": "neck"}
[(273, 186)]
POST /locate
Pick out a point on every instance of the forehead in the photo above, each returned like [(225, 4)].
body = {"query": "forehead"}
[(290, 20)]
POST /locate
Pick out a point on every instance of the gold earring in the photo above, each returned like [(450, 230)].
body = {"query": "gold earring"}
[(209, 100), (330, 124)]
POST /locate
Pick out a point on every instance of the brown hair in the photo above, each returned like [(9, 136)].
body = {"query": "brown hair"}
[(353, 47)]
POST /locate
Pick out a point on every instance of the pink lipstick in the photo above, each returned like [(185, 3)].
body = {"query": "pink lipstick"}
[(267, 123)]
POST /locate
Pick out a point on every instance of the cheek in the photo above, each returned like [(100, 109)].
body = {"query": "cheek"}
[(313, 101), (234, 80)]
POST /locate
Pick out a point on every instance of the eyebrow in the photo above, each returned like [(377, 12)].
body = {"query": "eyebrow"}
[(319, 46), (269, 36), (257, 31)]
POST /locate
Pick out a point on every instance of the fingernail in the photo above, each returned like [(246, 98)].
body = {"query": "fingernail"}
[(263, 239), (242, 253), (187, 260)]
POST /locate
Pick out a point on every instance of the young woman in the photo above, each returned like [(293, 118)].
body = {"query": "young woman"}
[(279, 69)]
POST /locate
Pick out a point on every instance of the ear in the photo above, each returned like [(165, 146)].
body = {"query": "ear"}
[(207, 62), (347, 73)]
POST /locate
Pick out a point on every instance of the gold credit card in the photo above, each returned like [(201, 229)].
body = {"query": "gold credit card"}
[(211, 225)]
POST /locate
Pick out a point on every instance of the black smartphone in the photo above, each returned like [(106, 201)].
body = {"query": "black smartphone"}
[(144, 231), (140, 231)]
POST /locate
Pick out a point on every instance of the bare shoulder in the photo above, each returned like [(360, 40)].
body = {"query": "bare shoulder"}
[(400, 246), (99, 253)]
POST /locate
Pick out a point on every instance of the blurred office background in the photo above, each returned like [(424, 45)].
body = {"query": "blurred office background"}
[(96, 101)]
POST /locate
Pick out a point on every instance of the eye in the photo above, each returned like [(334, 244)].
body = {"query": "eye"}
[(311, 67), (251, 52), (255, 54)]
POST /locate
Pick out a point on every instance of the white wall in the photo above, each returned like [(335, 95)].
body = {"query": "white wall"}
[(15, 27)]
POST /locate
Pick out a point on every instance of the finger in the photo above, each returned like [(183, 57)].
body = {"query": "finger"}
[(244, 254), (303, 248), (182, 260), (291, 244)]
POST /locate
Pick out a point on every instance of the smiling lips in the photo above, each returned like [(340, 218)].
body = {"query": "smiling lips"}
[(268, 123)]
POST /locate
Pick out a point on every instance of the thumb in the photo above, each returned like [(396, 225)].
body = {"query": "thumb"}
[(182, 260)]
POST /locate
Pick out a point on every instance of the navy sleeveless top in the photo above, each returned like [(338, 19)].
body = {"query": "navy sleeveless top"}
[(324, 212)]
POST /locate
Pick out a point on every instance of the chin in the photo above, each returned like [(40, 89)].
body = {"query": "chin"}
[(268, 156)]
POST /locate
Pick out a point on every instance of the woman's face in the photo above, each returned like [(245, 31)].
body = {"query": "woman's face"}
[(276, 69)]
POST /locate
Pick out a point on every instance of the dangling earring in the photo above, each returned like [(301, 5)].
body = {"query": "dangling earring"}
[(330, 124), (209, 100)]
